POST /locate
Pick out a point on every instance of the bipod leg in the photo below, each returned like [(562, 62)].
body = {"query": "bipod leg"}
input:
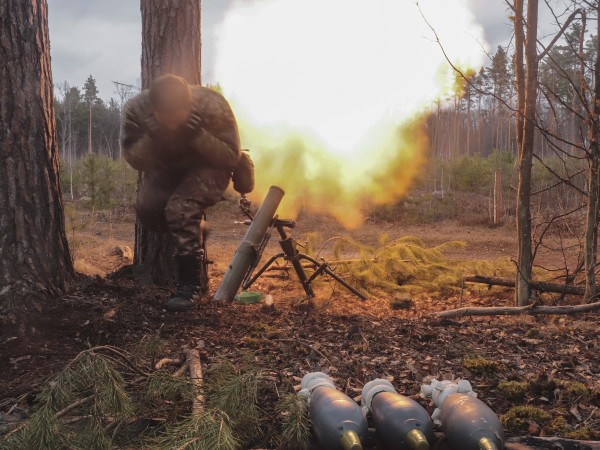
[(318, 271), (323, 267), (304, 280), (289, 247), (247, 283), (332, 274)]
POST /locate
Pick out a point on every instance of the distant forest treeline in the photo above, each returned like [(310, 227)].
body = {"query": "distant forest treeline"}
[(86, 123), (479, 117)]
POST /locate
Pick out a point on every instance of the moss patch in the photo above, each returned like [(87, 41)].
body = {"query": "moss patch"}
[(583, 434), (575, 390), (514, 390), (516, 417), (558, 426), (480, 366)]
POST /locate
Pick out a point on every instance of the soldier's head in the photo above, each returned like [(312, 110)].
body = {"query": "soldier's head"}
[(171, 101)]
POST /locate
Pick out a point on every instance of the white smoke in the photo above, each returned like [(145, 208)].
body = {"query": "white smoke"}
[(338, 77)]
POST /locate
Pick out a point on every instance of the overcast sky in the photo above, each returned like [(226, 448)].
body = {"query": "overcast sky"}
[(103, 37)]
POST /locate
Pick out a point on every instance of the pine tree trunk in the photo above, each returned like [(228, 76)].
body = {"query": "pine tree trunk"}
[(171, 43), (34, 254), (469, 120), (593, 206), (90, 151), (519, 71), (591, 230), (521, 285), (525, 255)]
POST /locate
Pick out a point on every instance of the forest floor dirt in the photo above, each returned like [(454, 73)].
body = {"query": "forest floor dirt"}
[(354, 340)]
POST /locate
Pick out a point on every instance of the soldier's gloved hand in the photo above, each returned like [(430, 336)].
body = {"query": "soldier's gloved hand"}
[(194, 124), (195, 121), (153, 127), (244, 203)]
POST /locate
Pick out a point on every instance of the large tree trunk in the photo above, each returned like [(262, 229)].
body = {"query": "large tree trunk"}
[(527, 112), (593, 206), (519, 63), (170, 44), (34, 254)]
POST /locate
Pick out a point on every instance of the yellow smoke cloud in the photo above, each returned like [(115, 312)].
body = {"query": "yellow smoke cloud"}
[(331, 95)]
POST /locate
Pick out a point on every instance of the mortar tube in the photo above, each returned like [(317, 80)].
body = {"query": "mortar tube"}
[(246, 251)]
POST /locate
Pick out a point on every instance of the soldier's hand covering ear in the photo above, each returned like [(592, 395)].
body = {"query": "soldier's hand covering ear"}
[(213, 131), (195, 122), (153, 127)]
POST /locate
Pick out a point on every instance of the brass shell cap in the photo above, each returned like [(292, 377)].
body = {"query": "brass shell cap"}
[(487, 444), (416, 440), (350, 440)]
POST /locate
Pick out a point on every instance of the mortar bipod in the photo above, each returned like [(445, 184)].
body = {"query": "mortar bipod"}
[(291, 254)]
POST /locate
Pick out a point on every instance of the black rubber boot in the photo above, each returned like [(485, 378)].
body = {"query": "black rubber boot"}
[(188, 286)]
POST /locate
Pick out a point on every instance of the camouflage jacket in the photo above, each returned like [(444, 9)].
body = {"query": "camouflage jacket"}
[(215, 144)]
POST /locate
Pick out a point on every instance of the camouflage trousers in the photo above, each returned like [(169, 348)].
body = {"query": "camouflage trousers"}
[(174, 201)]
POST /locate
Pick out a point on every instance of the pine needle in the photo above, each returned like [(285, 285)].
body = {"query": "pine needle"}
[(95, 437), (163, 386), (406, 265), (295, 433), (209, 431), (234, 392), (89, 373)]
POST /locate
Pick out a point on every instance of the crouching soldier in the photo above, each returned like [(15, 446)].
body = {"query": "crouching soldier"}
[(185, 141)]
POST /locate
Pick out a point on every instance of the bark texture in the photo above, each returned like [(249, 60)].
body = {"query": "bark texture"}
[(593, 206), (171, 43), (519, 69), (527, 111), (34, 254)]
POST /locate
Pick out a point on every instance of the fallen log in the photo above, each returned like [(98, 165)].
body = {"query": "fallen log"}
[(541, 286), (519, 310), (532, 443), (168, 361), (192, 358), (549, 443)]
